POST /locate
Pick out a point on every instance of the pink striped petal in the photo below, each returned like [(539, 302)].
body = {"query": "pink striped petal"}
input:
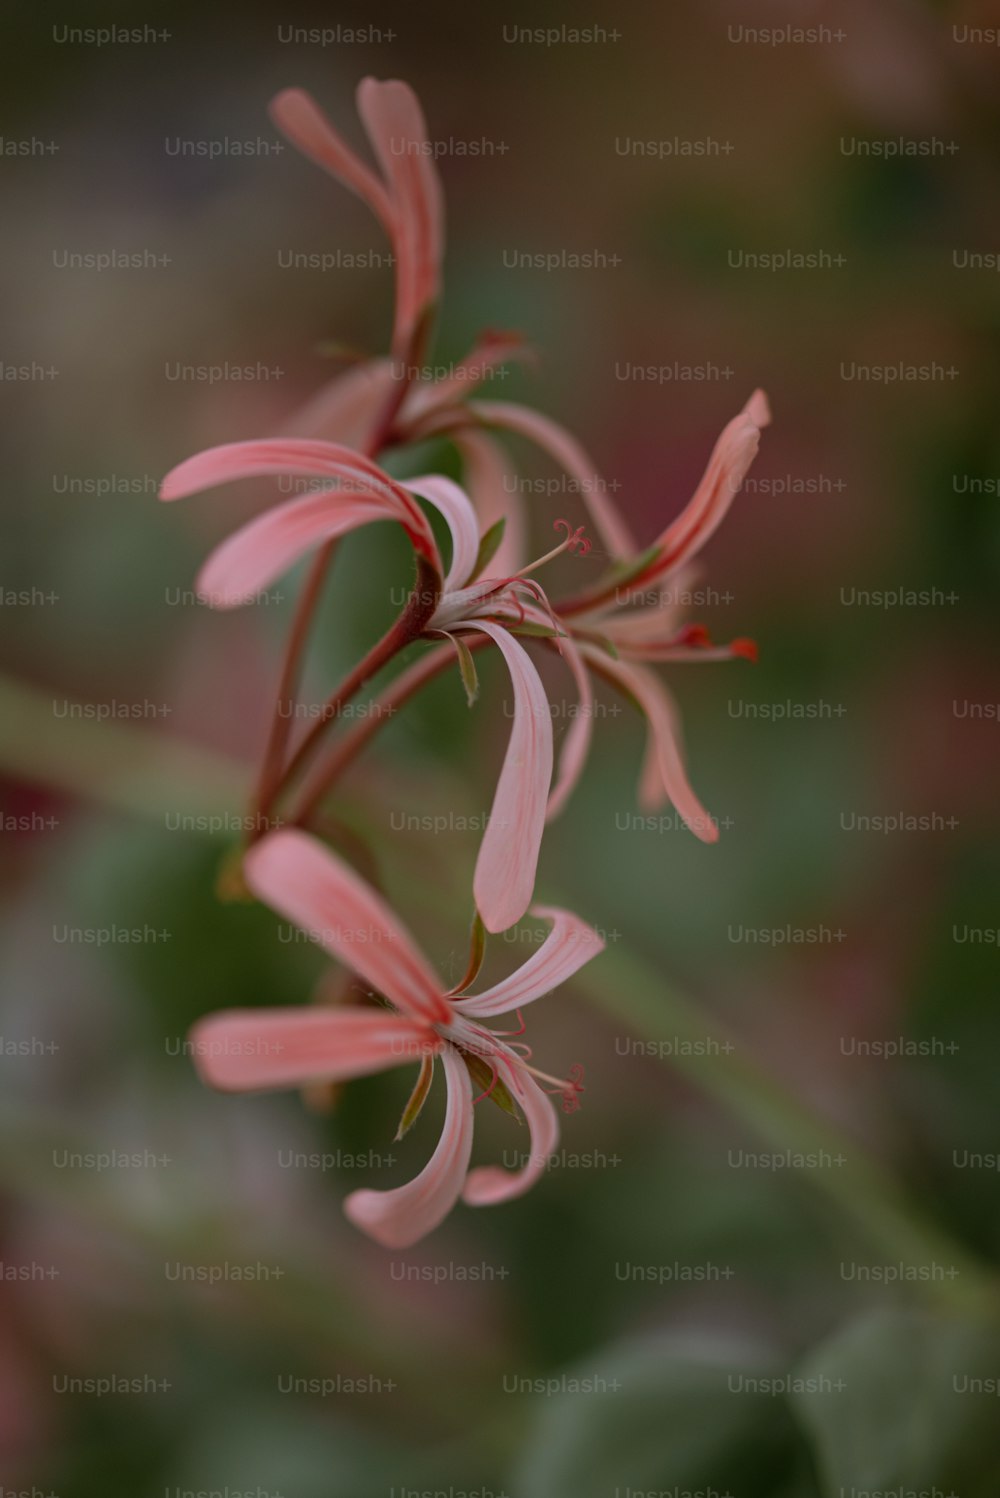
[(403, 1216), (249, 1050), (300, 119), (576, 745), (395, 124), (568, 453), (348, 408), (727, 468), (663, 775), (490, 1184), (569, 945), (491, 350), (252, 557), (491, 481), (300, 877), (359, 477), (456, 507), (508, 857)]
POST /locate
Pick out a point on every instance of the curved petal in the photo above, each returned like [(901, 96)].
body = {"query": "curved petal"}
[(252, 557), (249, 1050), (490, 1184), (727, 468), (395, 124), (569, 945), (663, 774), (300, 119), (348, 407), (304, 881), (456, 507), (491, 350), (401, 1217), (359, 477), (568, 453), (492, 484), (576, 745), (508, 856)]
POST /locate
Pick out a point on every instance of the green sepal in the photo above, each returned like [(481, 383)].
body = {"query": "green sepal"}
[(418, 1097), (467, 669), (489, 545), (482, 1074)]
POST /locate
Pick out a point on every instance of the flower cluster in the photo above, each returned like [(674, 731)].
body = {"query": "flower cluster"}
[(482, 594)]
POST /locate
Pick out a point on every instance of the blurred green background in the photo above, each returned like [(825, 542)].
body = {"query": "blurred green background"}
[(766, 1263)]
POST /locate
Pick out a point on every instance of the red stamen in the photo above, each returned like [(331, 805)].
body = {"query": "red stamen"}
[(745, 648)]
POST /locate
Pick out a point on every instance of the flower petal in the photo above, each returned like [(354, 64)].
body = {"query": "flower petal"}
[(401, 1217), (567, 452), (252, 557), (303, 880), (490, 1184), (576, 745), (489, 351), (508, 857), (359, 477), (491, 482), (395, 124), (300, 119), (347, 409), (727, 468), (569, 945), (248, 1050), (663, 773), (456, 507)]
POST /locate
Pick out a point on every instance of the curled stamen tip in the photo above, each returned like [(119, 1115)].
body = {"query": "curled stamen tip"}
[(745, 648), (695, 635)]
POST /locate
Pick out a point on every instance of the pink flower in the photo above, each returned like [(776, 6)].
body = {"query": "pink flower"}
[(256, 1049), (405, 198), (248, 561), (634, 618)]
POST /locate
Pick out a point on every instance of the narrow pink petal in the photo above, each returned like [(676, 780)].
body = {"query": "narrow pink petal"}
[(491, 351), (508, 857), (569, 945), (395, 124), (401, 1217), (568, 453), (492, 484), (348, 408), (300, 877), (727, 468), (758, 409), (490, 1184), (663, 772), (300, 119), (252, 557), (358, 476), (456, 507), (643, 613), (576, 745), (248, 1050)]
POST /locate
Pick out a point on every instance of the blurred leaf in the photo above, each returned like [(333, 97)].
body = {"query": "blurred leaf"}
[(906, 1415), (665, 1414)]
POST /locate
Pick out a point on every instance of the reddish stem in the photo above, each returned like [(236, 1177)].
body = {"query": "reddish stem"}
[(406, 685)]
